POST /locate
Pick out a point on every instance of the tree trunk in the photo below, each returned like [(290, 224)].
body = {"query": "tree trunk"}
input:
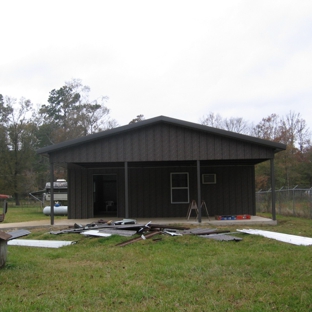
[(17, 200)]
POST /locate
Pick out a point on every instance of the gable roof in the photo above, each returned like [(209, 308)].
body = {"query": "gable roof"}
[(157, 120)]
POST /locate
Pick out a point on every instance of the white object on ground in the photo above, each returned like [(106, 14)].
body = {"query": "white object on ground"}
[(95, 233), (58, 210), (286, 238), (39, 243)]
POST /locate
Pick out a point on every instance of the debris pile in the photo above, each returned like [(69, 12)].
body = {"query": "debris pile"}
[(125, 227), (129, 227)]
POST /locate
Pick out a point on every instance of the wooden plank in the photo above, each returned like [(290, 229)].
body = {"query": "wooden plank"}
[(133, 240), (4, 236)]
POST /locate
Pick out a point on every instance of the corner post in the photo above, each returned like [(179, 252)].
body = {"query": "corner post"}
[(199, 192), (126, 191), (52, 193), (273, 187)]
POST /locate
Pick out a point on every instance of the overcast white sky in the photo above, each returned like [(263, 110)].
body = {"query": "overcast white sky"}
[(181, 59)]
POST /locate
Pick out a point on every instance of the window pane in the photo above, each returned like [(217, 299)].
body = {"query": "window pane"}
[(180, 195), (179, 180)]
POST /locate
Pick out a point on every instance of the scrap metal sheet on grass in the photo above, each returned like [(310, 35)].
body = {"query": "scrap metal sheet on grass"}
[(18, 233), (95, 233), (222, 237), (199, 231), (118, 232), (108, 232), (286, 238), (39, 243)]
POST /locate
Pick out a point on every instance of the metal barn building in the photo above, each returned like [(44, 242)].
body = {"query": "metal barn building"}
[(156, 167)]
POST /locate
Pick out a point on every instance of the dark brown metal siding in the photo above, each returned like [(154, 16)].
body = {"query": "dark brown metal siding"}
[(162, 143), (149, 191), (80, 191), (233, 193), (78, 186)]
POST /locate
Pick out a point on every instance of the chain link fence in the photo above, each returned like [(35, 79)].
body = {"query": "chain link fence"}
[(295, 201)]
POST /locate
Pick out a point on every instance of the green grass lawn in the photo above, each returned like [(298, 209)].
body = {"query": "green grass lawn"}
[(187, 273), (32, 213)]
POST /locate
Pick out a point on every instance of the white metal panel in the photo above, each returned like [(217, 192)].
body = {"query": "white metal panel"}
[(39, 243), (287, 238), (95, 233)]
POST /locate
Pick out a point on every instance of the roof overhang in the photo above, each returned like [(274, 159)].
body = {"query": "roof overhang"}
[(277, 147)]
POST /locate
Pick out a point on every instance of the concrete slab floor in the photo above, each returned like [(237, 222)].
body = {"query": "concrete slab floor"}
[(255, 220)]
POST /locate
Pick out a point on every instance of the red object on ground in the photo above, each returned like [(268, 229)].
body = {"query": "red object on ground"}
[(4, 196), (242, 217), (233, 217)]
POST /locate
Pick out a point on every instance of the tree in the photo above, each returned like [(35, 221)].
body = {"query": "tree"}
[(305, 169), (290, 165), (70, 114), (137, 119), (3, 146), (212, 120), (268, 128), (238, 125), (233, 124), (292, 131), (17, 145)]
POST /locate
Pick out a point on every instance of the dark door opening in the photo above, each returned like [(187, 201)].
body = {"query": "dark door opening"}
[(105, 195)]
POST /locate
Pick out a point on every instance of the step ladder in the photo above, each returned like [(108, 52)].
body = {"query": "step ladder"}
[(193, 206), (203, 205)]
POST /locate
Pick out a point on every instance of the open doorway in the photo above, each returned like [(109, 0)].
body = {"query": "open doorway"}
[(105, 195)]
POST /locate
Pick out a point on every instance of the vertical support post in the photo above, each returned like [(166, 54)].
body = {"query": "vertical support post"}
[(310, 195), (273, 188), (4, 237), (126, 191), (199, 193), (52, 193), (293, 200), (281, 197)]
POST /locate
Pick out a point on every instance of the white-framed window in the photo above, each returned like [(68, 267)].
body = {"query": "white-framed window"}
[(179, 183), (209, 178)]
